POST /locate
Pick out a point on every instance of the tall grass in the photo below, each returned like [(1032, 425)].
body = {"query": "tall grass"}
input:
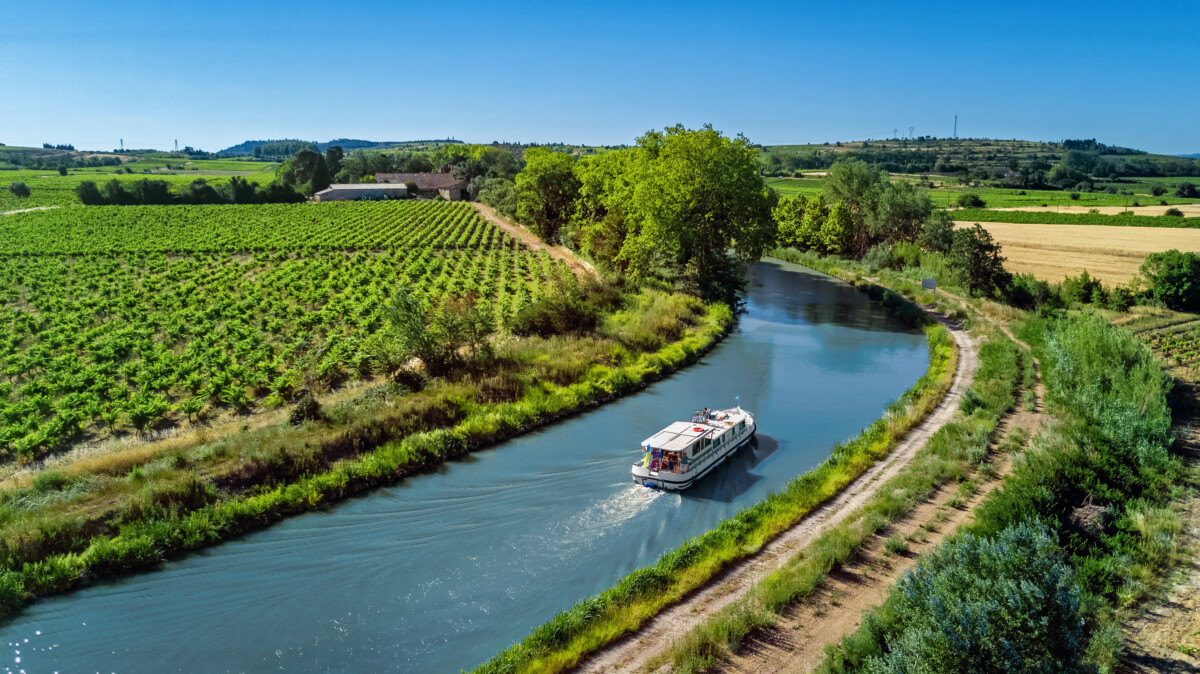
[(562, 641)]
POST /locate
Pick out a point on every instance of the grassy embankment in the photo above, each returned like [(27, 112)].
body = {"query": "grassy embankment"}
[(952, 454), (597, 621), (118, 512)]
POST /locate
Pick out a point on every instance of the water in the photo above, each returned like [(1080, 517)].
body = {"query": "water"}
[(441, 571)]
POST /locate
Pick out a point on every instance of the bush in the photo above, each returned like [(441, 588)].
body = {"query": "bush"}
[(1009, 603), (1173, 211), (1027, 292), (1074, 196), (1158, 190), (971, 201), (307, 409), (1174, 279), (566, 306), (880, 256), (20, 190), (1187, 191)]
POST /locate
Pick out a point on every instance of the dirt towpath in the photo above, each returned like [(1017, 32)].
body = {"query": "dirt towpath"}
[(29, 210), (633, 652), (581, 267)]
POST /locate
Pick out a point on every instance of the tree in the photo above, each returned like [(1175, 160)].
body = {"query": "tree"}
[(333, 159), (789, 220), (976, 258), (1158, 190), (19, 190), (686, 198), (837, 232), (320, 177), (62, 170), (1187, 191), (1174, 279), (938, 234), (901, 214), (1004, 604), (967, 200), (89, 194), (860, 187), (546, 192)]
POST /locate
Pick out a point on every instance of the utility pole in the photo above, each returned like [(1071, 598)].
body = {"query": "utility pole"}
[(910, 133), (177, 145), (122, 145), (956, 127)]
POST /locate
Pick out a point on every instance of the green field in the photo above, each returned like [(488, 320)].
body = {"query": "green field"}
[(129, 317), (947, 192), (48, 188)]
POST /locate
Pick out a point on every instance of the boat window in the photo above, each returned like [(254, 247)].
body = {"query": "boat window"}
[(741, 425)]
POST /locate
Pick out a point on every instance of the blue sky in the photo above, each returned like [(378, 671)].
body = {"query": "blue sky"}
[(213, 74)]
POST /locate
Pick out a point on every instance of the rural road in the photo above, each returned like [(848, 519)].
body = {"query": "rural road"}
[(580, 267), (633, 652)]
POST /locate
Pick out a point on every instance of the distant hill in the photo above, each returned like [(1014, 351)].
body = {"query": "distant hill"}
[(1194, 155), (984, 158), (247, 148)]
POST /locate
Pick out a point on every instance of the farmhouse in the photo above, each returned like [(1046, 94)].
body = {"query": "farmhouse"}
[(363, 191), (428, 184)]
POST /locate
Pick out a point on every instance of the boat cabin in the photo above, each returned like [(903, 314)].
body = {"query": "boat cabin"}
[(681, 444)]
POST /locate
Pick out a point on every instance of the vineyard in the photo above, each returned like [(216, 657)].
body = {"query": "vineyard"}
[(127, 318)]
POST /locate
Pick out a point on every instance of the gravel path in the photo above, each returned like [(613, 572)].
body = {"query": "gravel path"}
[(28, 210), (632, 652)]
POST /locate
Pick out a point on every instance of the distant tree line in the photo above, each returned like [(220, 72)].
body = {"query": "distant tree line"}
[(35, 160), (159, 192)]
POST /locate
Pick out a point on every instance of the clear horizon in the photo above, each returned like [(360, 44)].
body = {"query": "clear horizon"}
[(215, 74)]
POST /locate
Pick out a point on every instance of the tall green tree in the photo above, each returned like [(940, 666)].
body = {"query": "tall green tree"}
[(1174, 279), (693, 205), (546, 192), (976, 257)]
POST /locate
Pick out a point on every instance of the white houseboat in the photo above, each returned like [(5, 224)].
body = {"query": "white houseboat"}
[(682, 453)]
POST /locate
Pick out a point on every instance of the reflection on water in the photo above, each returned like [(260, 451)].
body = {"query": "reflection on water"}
[(444, 569)]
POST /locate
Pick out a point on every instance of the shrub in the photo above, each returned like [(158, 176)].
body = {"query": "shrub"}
[(566, 306), (1174, 279), (20, 190), (1158, 190), (1187, 191), (307, 409), (1173, 211), (880, 256), (1009, 603), (1074, 196), (971, 201)]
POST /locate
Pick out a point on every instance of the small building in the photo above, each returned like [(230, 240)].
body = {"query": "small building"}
[(428, 184), (367, 191)]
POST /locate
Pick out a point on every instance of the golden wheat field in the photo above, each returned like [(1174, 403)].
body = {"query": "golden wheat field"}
[(1113, 254)]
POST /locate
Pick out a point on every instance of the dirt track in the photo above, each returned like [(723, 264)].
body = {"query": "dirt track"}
[(633, 652), (529, 240)]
